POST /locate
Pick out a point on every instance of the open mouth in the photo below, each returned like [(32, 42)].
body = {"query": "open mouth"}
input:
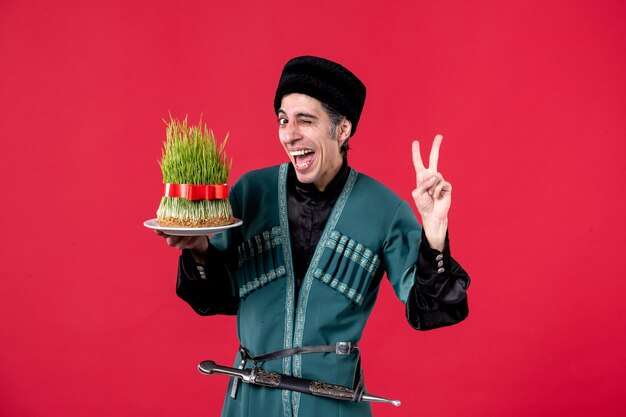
[(302, 158)]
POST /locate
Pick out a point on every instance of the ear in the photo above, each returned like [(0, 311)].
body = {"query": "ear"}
[(345, 128)]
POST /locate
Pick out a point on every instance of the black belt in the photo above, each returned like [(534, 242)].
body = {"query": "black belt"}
[(339, 348)]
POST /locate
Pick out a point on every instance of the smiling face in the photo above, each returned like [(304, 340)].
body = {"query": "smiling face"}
[(305, 133)]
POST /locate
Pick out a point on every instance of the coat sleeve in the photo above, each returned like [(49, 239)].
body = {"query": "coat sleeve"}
[(431, 283), (210, 288), (206, 288)]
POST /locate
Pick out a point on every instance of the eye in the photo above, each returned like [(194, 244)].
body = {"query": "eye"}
[(282, 121)]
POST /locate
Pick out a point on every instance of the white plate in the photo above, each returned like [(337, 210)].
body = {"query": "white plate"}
[(190, 231)]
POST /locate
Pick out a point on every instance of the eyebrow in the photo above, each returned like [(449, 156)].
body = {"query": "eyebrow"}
[(307, 115), (301, 114)]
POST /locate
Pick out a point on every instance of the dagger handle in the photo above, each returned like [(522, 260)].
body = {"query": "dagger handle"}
[(210, 367)]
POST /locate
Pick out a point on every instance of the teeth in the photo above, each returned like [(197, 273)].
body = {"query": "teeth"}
[(300, 153)]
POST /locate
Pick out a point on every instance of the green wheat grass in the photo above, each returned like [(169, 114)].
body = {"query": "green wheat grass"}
[(191, 155)]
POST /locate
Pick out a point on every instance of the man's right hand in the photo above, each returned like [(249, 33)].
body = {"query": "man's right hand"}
[(199, 245)]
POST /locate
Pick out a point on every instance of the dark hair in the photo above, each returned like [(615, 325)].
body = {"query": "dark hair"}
[(336, 119)]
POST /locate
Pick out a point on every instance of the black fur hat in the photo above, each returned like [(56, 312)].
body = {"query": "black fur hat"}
[(326, 81)]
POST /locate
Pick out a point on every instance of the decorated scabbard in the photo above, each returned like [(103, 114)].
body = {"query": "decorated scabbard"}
[(258, 376)]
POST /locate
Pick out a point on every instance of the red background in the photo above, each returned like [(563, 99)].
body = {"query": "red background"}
[(530, 97)]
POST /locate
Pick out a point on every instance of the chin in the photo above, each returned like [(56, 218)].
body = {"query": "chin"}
[(305, 179)]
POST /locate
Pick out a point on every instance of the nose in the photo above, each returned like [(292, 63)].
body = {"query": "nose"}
[(289, 132)]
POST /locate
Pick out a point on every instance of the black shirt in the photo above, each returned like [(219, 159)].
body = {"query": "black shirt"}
[(308, 210)]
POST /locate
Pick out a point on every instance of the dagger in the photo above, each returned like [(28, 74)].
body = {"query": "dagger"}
[(258, 376)]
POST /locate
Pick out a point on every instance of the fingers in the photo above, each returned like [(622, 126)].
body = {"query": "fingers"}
[(182, 242), (442, 189), (177, 242), (417, 157), (428, 185), (435, 186), (434, 153)]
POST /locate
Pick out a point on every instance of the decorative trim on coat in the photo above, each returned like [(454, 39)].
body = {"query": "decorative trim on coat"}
[(308, 279)]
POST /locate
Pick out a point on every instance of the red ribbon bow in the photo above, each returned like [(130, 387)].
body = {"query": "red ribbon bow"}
[(196, 191)]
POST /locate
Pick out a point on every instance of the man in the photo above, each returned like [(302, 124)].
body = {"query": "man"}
[(304, 270)]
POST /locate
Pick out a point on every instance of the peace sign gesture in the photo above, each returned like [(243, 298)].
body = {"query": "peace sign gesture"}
[(432, 196)]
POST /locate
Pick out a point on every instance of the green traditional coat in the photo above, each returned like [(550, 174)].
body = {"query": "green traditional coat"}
[(370, 232)]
